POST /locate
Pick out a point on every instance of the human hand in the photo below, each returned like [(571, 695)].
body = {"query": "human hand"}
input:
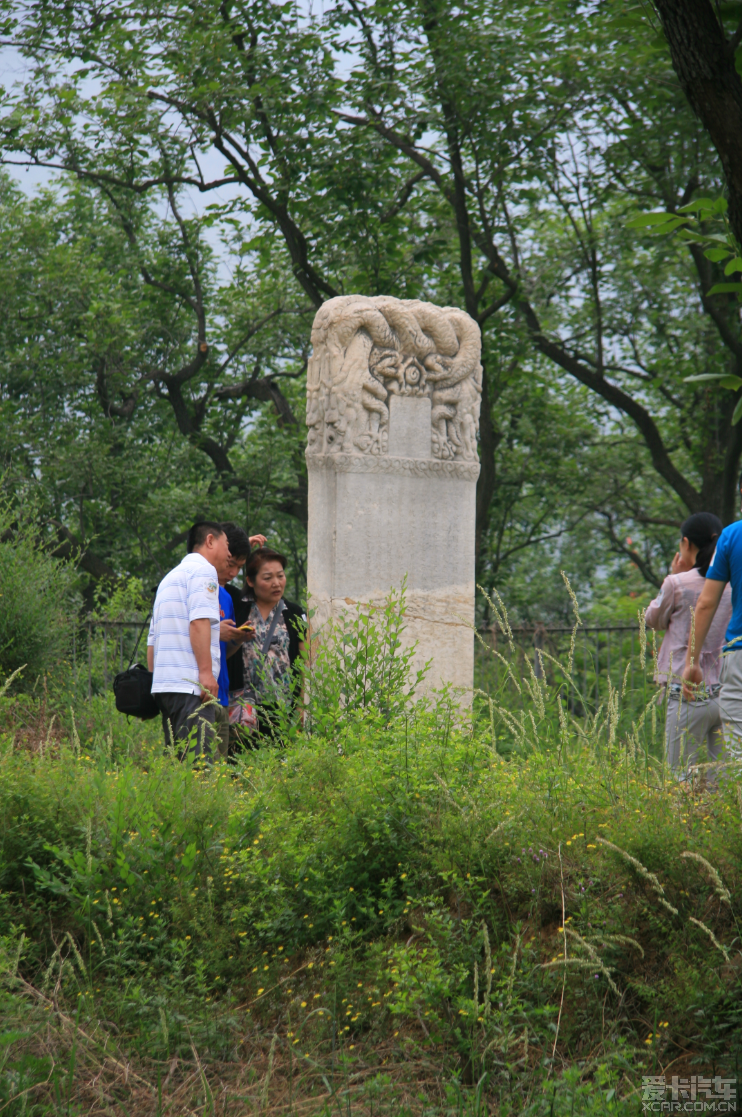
[(228, 632), (258, 540), (234, 635), (681, 563), (209, 685), (692, 679)]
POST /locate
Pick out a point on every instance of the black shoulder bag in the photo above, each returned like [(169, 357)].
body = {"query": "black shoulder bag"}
[(133, 688)]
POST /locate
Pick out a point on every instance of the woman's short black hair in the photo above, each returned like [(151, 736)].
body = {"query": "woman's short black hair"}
[(702, 529), (257, 559)]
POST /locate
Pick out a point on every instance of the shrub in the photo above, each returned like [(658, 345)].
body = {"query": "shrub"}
[(466, 932), (38, 600), (356, 666)]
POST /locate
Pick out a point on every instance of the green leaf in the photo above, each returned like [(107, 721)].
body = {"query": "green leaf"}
[(724, 242), (668, 227), (716, 254), (726, 289), (704, 376), (737, 412), (733, 266), (691, 237), (643, 219), (732, 382), (708, 205)]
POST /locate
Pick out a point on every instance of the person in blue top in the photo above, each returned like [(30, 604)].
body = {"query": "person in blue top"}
[(230, 638), (726, 566)]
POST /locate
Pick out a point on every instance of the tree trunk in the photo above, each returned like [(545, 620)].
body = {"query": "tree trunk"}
[(488, 440), (729, 481), (703, 59)]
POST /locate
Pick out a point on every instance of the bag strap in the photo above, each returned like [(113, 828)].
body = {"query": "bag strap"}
[(139, 637), (269, 634)]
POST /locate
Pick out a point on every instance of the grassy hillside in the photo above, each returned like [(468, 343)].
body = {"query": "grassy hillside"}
[(370, 922)]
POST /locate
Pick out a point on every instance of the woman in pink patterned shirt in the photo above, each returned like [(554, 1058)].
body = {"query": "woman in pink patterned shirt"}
[(690, 724)]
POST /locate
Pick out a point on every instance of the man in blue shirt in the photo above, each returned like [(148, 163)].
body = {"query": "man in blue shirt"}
[(726, 566), (230, 638)]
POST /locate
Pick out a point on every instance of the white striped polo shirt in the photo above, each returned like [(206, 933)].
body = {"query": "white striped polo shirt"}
[(188, 593)]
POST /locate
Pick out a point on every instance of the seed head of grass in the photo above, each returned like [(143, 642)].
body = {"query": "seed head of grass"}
[(488, 967), (643, 871), (642, 614), (500, 613), (719, 887), (625, 940), (578, 622), (711, 935), (595, 960)]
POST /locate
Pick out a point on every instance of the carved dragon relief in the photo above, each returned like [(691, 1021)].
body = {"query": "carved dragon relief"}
[(364, 350)]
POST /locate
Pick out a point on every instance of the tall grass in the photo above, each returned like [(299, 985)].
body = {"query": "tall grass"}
[(401, 911)]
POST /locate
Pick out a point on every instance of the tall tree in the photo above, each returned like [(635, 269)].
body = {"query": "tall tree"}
[(704, 47), (532, 165), (257, 87), (103, 411), (475, 156)]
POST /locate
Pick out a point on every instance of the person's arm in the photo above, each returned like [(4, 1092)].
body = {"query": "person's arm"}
[(230, 634), (200, 633), (233, 637), (706, 607), (659, 612), (258, 541), (151, 643)]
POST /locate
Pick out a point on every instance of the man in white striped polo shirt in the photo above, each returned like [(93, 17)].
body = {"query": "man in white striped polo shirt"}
[(183, 643)]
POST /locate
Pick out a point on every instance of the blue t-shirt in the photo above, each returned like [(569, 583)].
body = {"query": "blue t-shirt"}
[(727, 567), (226, 613)]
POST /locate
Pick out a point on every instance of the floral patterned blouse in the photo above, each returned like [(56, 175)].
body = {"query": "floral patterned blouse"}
[(266, 677)]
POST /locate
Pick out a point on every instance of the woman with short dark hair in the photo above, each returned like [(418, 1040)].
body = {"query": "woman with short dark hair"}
[(269, 684), (690, 724)]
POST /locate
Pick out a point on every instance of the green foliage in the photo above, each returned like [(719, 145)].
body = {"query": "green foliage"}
[(402, 888), (361, 895), (477, 158), (38, 596), (126, 600), (693, 223), (356, 665)]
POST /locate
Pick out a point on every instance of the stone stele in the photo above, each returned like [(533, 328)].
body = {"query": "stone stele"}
[(394, 388)]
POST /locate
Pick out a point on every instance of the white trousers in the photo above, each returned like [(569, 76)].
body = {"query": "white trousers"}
[(730, 702), (688, 726)]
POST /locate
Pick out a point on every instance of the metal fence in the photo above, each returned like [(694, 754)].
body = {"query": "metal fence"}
[(602, 653), (102, 648)]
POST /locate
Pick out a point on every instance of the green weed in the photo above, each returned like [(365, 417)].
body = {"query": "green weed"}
[(390, 914)]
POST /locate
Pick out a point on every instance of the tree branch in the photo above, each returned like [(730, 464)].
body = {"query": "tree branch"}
[(403, 198), (618, 545), (68, 546)]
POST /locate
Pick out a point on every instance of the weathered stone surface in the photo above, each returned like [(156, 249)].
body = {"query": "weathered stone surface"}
[(394, 388)]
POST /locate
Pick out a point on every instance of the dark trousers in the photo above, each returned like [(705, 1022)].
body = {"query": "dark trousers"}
[(186, 720)]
